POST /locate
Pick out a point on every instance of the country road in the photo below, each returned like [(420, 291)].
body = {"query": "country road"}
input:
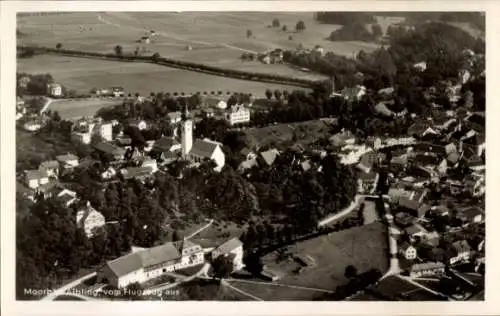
[(62, 290)]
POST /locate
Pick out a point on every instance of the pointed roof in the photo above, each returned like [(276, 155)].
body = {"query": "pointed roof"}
[(229, 245), (270, 155), (203, 148)]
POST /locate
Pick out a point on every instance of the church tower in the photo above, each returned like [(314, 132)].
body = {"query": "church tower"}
[(186, 133)]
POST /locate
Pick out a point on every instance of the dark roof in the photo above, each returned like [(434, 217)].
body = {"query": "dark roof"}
[(405, 202), (35, 174), (459, 247), (109, 148), (418, 128), (426, 159), (51, 164), (203, 148), (165, 143), (414, 229)]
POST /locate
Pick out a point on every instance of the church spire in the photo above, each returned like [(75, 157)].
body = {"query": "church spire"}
[(185, 113)]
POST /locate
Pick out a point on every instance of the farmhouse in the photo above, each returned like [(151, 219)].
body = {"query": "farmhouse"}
[(54, 90), (408, 251), (150, 263), (51, 168), (110, 149), (117, 92), (232, 247), (139, 173)]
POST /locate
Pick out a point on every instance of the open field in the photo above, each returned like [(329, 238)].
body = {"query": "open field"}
[(214, 38), (73, 109), (84, 74), (364, 247)]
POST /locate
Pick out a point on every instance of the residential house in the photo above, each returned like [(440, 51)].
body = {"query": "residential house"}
[(415, 231), (123, 141), (108, 173), (118, 92), (272, 275), (413, 207), (269, 156), (203, 149), (85, 130), (33, 125), (67, 161), (420, 66), (36, 178), (404, 219), (238, 115), (139, 173), (472, 215), (51, 168), (54, 90), (432, 239), (208, 113), (89, 219), (150, 163), (110, 149), (374, 142), (427, 269), (354, 93), (382, 109), (367, 182), (174, 117), (150, 263), (215, 103), (342, 139), (459, 251), (408, 251), (165, 144), (234, 248)]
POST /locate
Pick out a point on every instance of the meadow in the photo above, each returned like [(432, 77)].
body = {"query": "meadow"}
[(213, 38), (84, 74)]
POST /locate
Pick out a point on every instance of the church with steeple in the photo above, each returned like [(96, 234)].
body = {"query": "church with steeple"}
[(198, 150)]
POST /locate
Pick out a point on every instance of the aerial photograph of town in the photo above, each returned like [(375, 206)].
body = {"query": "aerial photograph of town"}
[(250, 156)]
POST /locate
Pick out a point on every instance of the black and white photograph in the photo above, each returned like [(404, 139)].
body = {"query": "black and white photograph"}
[(276, 156)]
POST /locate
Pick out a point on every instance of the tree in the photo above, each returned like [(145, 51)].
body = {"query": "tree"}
[(176, 236), (300, 26), (350, 272), (249, 33), (269, 94), (155, 57), (377, 31), (59, 46), (223, 266), (277, 94), (253, 263), (276, 22), (284, 28), (118, 50)]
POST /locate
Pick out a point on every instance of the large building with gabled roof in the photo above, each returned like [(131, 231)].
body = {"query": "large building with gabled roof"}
[(150, 263)]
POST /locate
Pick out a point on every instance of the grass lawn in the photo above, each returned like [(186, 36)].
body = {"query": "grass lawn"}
[(204, 290), (77, 108), (364, 247), (191, 270), (307, 133), (270, 292), (82, 75), (217, 234)]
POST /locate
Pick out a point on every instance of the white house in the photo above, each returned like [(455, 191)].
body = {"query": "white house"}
[(117, 92), (67, 197), (54, 90), (408, 251), (36, 178), (216, 103), (231, 247), (89, 219), (237, 115), (32, 126), (146, 264), (151, 163), (421, 66)]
